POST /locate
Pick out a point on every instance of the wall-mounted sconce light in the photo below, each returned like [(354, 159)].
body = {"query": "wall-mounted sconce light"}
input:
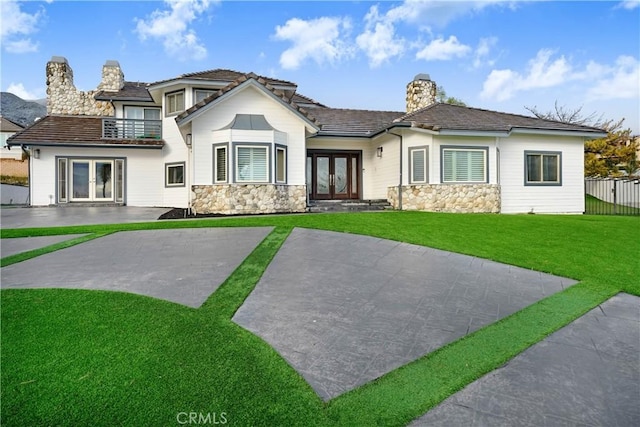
[(36, 153), (379, 151), (189, 140)]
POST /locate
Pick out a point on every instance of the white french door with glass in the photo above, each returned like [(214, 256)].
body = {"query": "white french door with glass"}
[(91, 180)]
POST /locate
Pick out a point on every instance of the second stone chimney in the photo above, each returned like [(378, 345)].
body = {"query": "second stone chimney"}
[(112, 77), (63, 98), (421, 93)]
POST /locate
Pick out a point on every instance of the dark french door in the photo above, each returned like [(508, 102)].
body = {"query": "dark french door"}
[(333, 175)]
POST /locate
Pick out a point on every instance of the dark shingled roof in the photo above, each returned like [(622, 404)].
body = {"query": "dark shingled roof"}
[(7, 125), (131, 91), (73, 130), (453, 117), (224, 76), (336, 121), (243, 78)]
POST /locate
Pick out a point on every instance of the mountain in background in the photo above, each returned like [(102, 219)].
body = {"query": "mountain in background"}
[(20, 111)]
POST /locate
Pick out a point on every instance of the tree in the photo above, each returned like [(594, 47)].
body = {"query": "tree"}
[(441, 96), (611, 156)]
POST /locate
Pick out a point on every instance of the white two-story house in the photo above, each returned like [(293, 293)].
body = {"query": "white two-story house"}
[(226, 142)]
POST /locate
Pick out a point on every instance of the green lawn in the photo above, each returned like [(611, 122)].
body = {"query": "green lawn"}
[(72, 357)]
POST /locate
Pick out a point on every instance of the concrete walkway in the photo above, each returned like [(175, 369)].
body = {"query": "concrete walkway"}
[(23, 244), (60, 216), (586, 374), (184, 266), (345, 309)]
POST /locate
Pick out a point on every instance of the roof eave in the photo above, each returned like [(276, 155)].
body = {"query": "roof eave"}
[(81, 144), (310, 125), (560, 132)]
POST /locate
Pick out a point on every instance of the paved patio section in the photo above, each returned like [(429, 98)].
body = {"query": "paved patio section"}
[(586, 374), (345, 309), (23, 244), (184, 266), (76, 215)]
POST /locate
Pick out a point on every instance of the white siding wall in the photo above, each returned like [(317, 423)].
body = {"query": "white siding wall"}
[(175, 151), (248, 101), (518, 198), (383, 172), (144, 175)]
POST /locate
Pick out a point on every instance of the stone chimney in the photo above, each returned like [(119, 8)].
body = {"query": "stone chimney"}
[(64, 99), (421, 92), (112, 77)]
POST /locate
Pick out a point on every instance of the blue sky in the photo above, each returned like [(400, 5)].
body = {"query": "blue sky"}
[(499, 55)]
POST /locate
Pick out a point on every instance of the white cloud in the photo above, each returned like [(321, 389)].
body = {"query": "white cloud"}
[(16, 25), (598, 81), (618, 82), (19, 90), (628, 4), (443, 50), (321, 40), (379, 40), (172, 28), (483, 50), (541, 72), (436, 13)]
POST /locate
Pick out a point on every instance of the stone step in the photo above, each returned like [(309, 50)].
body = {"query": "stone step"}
[(348, 205)]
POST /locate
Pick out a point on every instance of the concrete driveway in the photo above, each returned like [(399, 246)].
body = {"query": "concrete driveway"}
[(24, 217)]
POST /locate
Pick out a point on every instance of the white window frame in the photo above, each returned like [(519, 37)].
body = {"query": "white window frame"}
[(280, 149), (209, 92), (168, 166), (171, 105), (484, 150), (62, 179), (216, 148), (266, 148), (419, 151), (542, 155)]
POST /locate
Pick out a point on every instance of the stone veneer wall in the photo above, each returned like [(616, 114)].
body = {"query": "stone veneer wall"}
[(231, 199), (459, 198), (64, 98), (421, 92)]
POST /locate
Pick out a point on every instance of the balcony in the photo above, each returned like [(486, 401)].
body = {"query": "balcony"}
[(113, 128)]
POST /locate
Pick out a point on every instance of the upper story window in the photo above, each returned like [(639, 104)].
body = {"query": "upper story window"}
[(543, 168), (200, 94), (174, 102), (464, 164)]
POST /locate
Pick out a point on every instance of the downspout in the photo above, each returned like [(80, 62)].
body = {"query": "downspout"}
[(400, 183)]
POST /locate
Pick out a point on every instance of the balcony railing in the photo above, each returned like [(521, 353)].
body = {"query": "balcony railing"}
[(131, 129)]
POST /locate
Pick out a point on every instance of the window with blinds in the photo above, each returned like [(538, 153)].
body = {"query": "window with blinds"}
[(464, 165), (419, 165), (252, 164), (220, 163)]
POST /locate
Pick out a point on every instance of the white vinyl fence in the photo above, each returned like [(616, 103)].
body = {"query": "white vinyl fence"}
[(622, 196)]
